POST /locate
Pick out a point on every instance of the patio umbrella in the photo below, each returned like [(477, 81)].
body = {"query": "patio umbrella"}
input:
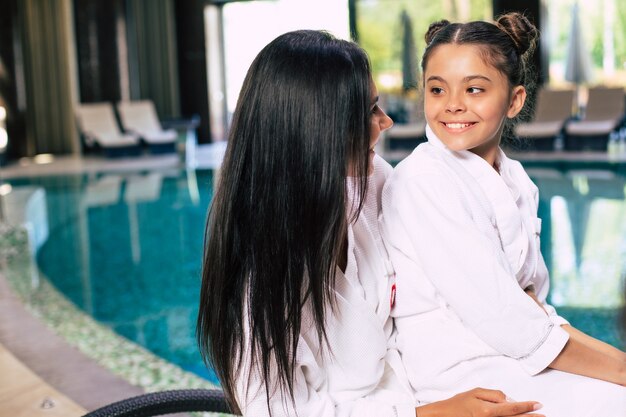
[(409, 54), (578, 59)]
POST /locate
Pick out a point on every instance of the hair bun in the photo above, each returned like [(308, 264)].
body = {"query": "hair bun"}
[(435, 28), (520, 29)]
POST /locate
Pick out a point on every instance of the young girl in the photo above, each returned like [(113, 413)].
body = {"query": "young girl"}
[(296, 284), (460, 222)]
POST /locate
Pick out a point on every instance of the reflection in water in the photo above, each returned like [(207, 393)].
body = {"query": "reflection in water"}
[(140, 189), (103, 191), (584, 244), (587, 212)]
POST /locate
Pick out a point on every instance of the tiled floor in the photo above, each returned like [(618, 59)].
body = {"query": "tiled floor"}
[(203, 156), (23, 393)]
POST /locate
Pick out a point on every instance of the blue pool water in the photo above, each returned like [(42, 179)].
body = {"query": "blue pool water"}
[(127, 247), (583, 240)]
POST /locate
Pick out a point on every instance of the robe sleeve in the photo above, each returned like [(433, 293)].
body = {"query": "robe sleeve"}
[(468, 270)]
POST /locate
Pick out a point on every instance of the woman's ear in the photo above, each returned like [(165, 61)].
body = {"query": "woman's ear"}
[(518, 97)]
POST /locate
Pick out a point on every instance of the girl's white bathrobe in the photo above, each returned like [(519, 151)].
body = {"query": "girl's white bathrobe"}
[(360, 374), (464, 242)]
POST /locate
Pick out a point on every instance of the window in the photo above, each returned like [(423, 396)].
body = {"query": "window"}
[(602, 37), (379, 23)]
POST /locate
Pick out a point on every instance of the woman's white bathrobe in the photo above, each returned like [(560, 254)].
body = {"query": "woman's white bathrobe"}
[(464, 242), (360, 375)]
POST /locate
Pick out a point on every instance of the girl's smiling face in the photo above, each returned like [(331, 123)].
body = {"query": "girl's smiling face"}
[(467, 101)]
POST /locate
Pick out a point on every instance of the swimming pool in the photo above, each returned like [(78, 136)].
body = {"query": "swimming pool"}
[(126, 248)]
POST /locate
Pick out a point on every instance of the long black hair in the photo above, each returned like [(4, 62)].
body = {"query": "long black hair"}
[(278, 218)]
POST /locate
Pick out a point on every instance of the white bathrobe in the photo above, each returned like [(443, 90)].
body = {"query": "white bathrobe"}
[(464, 242), (361, 374)]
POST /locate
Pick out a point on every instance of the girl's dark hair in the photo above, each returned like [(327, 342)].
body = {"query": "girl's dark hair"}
[(278, 218), (507, 45)]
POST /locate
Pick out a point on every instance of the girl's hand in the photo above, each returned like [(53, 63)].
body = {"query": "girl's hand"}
[(478, 402)]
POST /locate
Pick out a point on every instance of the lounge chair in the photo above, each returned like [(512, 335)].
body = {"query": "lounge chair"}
[(406, 136), (603, 114), (99, 129), (140, 117), (554, 108), (410, 131)]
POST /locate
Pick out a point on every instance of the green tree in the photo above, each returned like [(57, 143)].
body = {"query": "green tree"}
[(379, 25)]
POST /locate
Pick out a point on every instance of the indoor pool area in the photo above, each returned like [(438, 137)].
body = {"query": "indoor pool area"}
[(110, 260), (65, 250), (125, 248)]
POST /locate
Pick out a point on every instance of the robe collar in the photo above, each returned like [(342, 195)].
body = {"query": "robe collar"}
[(503, 195)]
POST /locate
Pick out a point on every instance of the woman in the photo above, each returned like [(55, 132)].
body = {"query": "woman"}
[(297, 287)]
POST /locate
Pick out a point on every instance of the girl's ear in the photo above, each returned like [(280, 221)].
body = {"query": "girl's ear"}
[(518, 97)]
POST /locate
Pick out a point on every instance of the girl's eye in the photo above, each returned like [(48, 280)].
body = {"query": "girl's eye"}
[(474, 90), (436, 90), (374, 109)]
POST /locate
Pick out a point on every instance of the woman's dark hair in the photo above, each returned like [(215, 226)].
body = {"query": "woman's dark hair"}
[(278, 218), (506, 45)]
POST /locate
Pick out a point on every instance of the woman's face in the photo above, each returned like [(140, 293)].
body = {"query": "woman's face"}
[(379, 123)]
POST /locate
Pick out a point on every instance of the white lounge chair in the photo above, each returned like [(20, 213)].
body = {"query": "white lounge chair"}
[(603, 114), (140, 117), (406, 136), (98, 126), (554, 108)]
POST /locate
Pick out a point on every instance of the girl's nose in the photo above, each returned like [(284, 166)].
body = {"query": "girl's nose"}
[(455, 104)]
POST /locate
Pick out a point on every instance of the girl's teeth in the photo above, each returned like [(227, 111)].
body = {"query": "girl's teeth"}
[(458, 125)]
